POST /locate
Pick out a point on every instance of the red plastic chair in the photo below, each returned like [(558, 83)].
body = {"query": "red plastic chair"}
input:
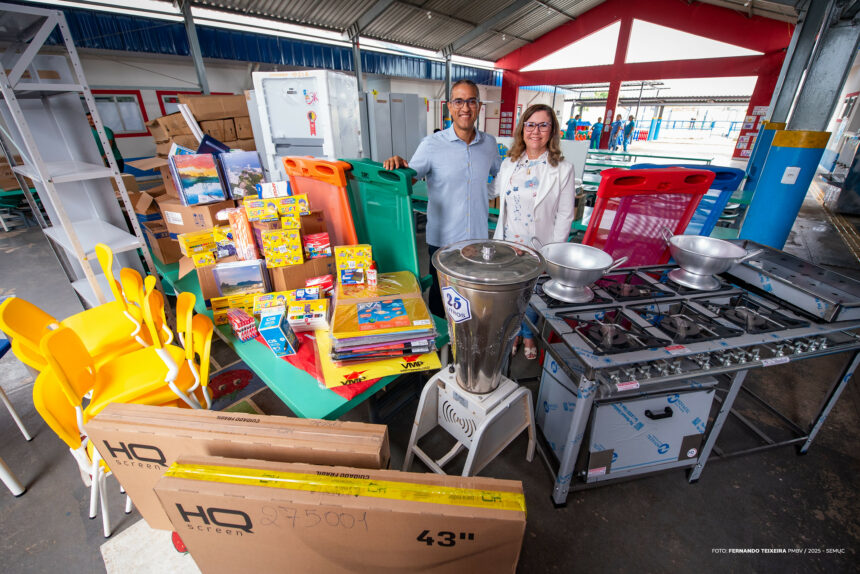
[(634, 208), (324, 182)]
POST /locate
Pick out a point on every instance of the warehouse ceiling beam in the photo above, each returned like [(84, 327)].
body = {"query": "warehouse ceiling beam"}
[(194, 45), (367, 18), (487, 25), (552, 8)]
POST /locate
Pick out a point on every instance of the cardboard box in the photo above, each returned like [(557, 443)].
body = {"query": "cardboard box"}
[(129, 182), (159, 133), (244, 130), (309, 518), (139, 442), (175, 125), (228, 127), (313, 223), (215, 107), (277, 332), (184, 219), (145, 207), (160, 164), (160, 244), (294, 276)]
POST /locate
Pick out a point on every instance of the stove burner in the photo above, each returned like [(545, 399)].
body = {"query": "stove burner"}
[(611, 332), (683, 323), (680, 327), (746, 318), (753, 317), (553, 303), (661, 275), (629, 287)]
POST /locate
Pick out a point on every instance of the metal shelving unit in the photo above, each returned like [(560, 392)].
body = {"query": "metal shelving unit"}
[(47, 126)]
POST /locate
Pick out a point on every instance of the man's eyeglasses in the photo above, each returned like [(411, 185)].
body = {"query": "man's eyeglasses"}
[(459, 102), (543, 126)]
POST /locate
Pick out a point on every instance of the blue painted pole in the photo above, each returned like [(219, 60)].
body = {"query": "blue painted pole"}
[(759, 152), (785, 178), (657, 128)]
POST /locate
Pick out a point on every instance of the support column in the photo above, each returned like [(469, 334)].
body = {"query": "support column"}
[(356, 65), (194, 46), (508, 108), (446, 114), (825, 77), (610, 111), (797, 58)]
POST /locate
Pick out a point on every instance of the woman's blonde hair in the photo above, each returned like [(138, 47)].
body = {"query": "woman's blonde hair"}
[(553, 146)]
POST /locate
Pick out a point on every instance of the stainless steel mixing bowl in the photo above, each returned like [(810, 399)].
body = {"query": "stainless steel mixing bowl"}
[(706, 255), (573, 267)]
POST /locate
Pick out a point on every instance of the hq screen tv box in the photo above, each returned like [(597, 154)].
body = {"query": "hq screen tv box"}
[(139, 443), (267, 517)]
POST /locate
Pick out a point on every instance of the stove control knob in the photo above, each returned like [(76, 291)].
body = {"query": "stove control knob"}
[(613, 377), (755, 354), (823, 342), (663, 368), (780, 349), (644, 371), (703, 360), (725, 359), (813, 344), (800, 347), (676, 367), (629, 373)]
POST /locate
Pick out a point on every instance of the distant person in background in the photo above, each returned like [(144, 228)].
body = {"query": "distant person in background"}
[(596, 131), (535, 187), (120, 163), (628, 131), (572, 124), (615, 133)]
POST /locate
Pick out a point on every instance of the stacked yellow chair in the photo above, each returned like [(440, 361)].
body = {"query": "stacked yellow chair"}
[(122, 352)]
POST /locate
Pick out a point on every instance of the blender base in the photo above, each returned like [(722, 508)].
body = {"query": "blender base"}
[(482, 424)]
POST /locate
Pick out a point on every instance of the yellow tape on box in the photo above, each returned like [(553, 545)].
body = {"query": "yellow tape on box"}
[(350, 486)]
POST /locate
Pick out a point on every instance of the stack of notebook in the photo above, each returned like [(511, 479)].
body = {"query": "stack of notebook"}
[(386, 321)]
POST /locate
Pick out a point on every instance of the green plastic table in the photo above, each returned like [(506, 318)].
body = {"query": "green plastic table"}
[(299, 390)]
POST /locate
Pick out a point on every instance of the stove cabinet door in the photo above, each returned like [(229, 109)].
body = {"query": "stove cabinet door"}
[(555, 404), (643, 434)]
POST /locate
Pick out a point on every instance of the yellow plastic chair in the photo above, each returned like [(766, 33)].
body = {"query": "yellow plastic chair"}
[(197, 356), (155, 375), (58, 414), (184, 308), (107, 328), (25, 325)]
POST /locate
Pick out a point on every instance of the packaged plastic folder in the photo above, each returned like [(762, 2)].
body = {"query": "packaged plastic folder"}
[(393, 306)]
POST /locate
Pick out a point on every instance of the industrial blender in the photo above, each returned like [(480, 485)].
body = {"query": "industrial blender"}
[(486, 286)]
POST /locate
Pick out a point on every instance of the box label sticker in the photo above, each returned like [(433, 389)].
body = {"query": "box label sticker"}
[(627, 386), (456, 305), (600, 471), (774, 361), (789, 176), (676, 349), (173, 217)]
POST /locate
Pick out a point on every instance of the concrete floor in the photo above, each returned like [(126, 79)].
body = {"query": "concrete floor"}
[(659, 523)]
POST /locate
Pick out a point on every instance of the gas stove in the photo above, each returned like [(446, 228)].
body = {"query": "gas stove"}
[(644, 377), (642, 326)]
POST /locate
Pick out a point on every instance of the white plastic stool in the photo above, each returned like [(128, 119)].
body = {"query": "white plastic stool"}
[(483, 424)]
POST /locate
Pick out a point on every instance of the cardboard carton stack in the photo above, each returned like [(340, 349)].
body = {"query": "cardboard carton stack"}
[(139, 443), (225, 118)]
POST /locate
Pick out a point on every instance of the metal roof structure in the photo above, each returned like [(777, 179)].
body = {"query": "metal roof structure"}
[(482, 29)]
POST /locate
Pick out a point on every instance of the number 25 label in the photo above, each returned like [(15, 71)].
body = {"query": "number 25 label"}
[(456, 306)]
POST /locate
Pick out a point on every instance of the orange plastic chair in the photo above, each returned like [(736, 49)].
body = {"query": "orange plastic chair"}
[(324, 182)]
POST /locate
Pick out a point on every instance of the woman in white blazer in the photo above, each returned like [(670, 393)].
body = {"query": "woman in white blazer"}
[(535, 187)]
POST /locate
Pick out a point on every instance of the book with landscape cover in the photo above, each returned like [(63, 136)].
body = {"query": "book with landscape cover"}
[(241, 171), (197, 179)]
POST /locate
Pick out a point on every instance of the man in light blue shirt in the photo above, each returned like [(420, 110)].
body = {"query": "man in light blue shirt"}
[(457, 163)]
